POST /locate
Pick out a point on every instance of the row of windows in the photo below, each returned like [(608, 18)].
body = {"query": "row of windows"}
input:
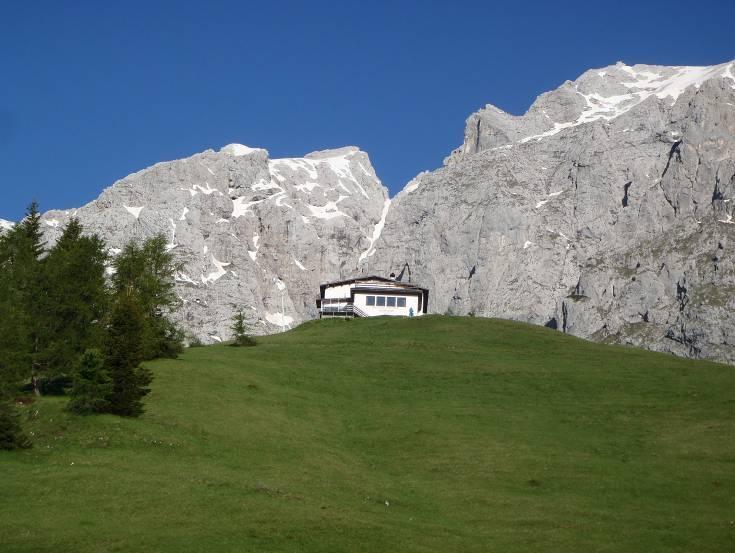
[(383, 301)]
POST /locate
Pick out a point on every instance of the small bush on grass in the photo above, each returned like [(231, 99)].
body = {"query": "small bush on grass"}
[(241, 329), (195, 342)]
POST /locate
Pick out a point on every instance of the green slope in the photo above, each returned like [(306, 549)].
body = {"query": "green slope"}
[(429, 434)]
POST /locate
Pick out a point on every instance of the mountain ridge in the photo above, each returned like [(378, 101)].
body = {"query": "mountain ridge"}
[(598, 212), (617, 228)]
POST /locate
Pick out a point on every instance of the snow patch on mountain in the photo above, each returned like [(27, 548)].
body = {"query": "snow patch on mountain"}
[(218, 273), (240, 206), (642, 84), (239, 150), (328, 210), (377, 230), (134, 211), (279, 319)]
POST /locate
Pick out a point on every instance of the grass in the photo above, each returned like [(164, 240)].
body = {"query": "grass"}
[(426, 434)]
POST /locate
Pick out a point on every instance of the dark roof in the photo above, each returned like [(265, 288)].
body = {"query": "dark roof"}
[(373, 277)]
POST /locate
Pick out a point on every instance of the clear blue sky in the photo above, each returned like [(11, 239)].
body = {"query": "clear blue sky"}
[(92, 91)]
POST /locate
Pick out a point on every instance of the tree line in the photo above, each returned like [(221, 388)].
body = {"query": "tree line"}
[(75, 320)]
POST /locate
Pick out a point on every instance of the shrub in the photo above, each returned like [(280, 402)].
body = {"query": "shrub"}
[(241, 328), (195, 342)]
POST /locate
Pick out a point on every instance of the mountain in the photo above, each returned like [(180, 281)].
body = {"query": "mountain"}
[(5, 225), (604, 211), (252, 232)]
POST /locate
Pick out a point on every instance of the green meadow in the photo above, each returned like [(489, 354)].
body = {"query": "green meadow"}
[(443, 434)]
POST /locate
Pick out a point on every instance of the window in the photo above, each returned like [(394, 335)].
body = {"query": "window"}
[(391, 302), (401, 302), (380, 301), (370, 300)]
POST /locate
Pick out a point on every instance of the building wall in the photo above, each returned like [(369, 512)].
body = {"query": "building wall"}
[(374, 310)]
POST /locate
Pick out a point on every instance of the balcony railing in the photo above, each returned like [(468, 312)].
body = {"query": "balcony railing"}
[(340, 308)]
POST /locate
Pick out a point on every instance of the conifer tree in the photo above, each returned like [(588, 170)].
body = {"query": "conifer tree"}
[(14, 355), (13, 366), (149, 270), (22, 324), (92, 386), (123, 355), (241, 330), (33, 286), (31, 228), (76, 299), (15, 347)]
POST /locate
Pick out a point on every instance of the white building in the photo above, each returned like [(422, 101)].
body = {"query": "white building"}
[(371, 296)]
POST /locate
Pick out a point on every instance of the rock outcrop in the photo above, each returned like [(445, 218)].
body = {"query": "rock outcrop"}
[(252, 232), (606, 211)]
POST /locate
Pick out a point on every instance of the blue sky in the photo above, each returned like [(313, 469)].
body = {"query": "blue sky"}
[(92, 92)]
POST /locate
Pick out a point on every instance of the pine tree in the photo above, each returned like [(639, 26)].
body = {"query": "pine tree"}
[(14, 362), (76, 299), (15, 347), (149, 270), (123, 355), (22, 291), (92, 386), (241, 330), (33, 287), (31, 228)]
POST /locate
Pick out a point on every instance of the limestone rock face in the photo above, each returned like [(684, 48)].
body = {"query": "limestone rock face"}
[(605, 211), (252, 232)]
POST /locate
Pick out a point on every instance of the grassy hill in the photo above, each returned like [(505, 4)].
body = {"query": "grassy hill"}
[(429, 434)]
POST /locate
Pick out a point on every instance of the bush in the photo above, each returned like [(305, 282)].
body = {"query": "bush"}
[(195, 342)]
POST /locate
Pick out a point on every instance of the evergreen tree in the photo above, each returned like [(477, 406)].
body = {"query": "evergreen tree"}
[(149, 270), (14, 361), (241, 329), (22, 292), (123, 354), (92, 386), (31, 228), (76, 298), (34, 286), (14, 352), (15, 347)]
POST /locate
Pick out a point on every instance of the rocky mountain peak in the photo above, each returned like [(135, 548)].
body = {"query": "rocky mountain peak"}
[(598, 95), (252, 231), (241, 150), (605, 211)]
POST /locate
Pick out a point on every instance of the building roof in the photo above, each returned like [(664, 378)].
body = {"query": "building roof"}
[(398, 283)]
